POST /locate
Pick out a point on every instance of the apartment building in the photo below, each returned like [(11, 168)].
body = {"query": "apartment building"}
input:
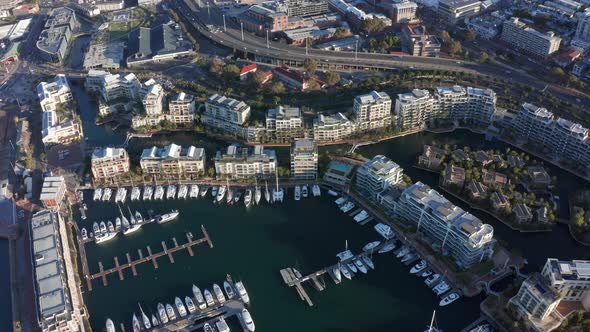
[(372, 111), (259, 19), (53, 192), (243, 162), (417, 42), (54, 93), (152, 97), (54, 132), (455, 10), (529, 40), (537, 301), (302, 8), (173, 161), (448, 227), (284, 123), (376, 175), (304, 159), (113, 86), (583, 28), (55, 40), (562, 137), (415, 109), (225, 114), (570, 279), (332, 127), (109, 162), (181, 109), (402, 11), (53, 298)]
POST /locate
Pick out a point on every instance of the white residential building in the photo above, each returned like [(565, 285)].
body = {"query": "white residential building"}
[(570, 279), (109, 162), (402, 11), (415, 109), (528, 40), (181, 109), (448, 227), (152, 97), (54, 132), (173, 161), (332, 127), (242, 162), (113, 86), (583, 29), (55, 93), (537, 301), (376, 175), (372, 111), (304, 159), (454, 10), (226, 114), (284, 122)]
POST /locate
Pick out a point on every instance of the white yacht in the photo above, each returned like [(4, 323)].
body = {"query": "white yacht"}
[(209, 298), (332, 193), (135, 193), (96, 228), (304, 191), (146, 321), (341, 200), (360, 266), (97, 194), (441, 288), (121, 195), (361, 216), (182, 191), (118, 224), (162, 313), (199, 297), (155, 321), (171, 192), (433, 279), (136, 325), (207, 328), (203, 191), (452, 297), (190, 304), (242, 291), (371, 245), (426, 273), (220, 194), (347, 207), (103, 227), (297, 193), (148, 192), (218, 293), (368, 261), (346, 255), (167, 217), (257, 194), (103, 237), (267, 193), (84, 234), (278, 193), (345, 272), (221, 325), (387, 248), (385, 231), (170, 312), (159, 194), (214, 192), (229, 196), (316, 191), (402, 252), (419, 267), (180, 307), (229, 290), (110, 226), (409, 257), (247, 319), (248, 197), (194, 191), (336, 273), (106, 194), (110, 326), (139, 218)]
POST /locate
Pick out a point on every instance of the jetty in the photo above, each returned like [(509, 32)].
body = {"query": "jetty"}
[(151, 257), (293, 278)]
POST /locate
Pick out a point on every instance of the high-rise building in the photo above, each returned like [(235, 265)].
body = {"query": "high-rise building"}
[(181, 109), (535, 299), (109, 162), (372, 111), (376, 175), (226, 114), (529, 40), (242, 162), (152, 97), (402, 11), (447, 226), (583, 29), (454, 10), (54, 132), (415, 109), (55, 40), (54, 93), (416, 41), (301, 8), (570, 279), (284, 123), (173, 161), (332, 127), (53, 191), (304, 159), (113, 86)]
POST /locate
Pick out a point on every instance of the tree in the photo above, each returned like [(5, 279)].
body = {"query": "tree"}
[(258, 78), (444, 36), (313, 85), (231, 73), (310, 66), (341, 33), (216, 67), (278, 88), (372, 25), (557, 74), (455, 48), (276, 100), (332, 78), (469, 35), (483, 57)]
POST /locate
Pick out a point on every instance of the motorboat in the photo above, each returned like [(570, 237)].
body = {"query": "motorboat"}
[(162, 313), (237, 196), (221, 325), (304, 191), (360, 266), (136, 325), (207, 328), (277, 195), (361, 216), (426, 273), (248, 197), (346, 255), (135, 193), (368, 261), (419, 267), (148, 192), (132, 219), (347, 207), (316, 191), (103, 237), (209, 298), (341, 200), (170, 312), (409, 257), (242, 292), (146, 321), (194, 191), (247, 320), (257, 195), (214, 191), (139, 218), (203, 191), (160, 219), (103, 227), (337, 274), (190, 305), (182, 191), (385, 231), (452, 297), (218, 293), (297, 193), (432, 280), (402, 252), (171, 192), (332, 193), (371, 245), (229, 196), (97, 194), (110, 226), (84, 234), (110, 326), (159, 194), (229, 290), (199, 297), (117, 223), (180, 307), (220, 194), (267, 193), (121, 195), (441, 288), (95, 228), (345, 272), (155, 321), (106, 194), (387, 248)]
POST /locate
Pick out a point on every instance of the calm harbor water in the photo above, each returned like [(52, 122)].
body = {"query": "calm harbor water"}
[(5, 300)]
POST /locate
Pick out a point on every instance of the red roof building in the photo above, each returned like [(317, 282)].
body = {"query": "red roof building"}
[(247, 70), (295, 78)]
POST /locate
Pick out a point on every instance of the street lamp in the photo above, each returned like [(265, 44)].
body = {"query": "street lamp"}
[(242, 29)]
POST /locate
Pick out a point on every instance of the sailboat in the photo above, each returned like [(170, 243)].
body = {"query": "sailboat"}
[(277, 194), (257, 194), (431, 328), (110, 325), (230, 194), (248, 197), (136, 325), (297, 193), (220, 194), (199, 297), (162, 313), (145, 318), (266, 193)]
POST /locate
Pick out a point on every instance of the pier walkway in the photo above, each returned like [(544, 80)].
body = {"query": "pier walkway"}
[(131, 264)]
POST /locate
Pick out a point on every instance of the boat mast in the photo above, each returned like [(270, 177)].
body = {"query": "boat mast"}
[(432, 321)]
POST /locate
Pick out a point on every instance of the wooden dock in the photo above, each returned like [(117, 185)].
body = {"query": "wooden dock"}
[(132, 264)]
